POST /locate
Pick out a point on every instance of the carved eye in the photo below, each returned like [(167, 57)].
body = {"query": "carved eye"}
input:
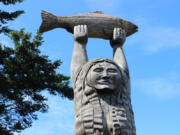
[(98, 70), (111, 70)]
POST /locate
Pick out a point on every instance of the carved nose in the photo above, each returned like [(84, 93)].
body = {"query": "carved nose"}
[(105, 75)]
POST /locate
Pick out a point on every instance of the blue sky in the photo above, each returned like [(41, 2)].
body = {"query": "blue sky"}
[(152, 54)]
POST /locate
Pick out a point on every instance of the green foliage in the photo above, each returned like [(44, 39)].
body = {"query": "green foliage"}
[(7, 2), (8, 16), (24, 74)]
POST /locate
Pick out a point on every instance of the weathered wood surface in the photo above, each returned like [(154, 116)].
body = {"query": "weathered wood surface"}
[(99, 24)]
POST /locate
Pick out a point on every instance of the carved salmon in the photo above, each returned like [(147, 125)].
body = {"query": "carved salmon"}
[(99, 24)]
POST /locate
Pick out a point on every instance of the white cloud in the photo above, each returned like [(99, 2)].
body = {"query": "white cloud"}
[(161, 38), (163, 88), (58, 120), (155, 37), (4, 40), (152, 35)]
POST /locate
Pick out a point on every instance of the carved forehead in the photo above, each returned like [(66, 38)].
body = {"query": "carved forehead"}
[(88, 66), (104, 64)]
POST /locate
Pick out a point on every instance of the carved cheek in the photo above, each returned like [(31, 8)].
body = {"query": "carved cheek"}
[(93, 77)]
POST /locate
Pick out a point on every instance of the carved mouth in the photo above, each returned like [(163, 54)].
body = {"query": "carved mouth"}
[(103, 82)]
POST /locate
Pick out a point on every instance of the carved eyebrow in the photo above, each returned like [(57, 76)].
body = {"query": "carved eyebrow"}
[(112, 69), (99, 69)]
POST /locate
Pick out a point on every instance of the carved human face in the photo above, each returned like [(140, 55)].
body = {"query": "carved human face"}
[(104, 76)]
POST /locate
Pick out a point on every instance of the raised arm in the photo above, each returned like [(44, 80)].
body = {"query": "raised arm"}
[(119, 37), (79, 56)]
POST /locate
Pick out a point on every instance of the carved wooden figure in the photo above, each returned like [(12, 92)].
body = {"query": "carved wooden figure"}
[(101, 88)]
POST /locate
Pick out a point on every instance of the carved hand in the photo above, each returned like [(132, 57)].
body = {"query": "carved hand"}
[(81, 34), (119, 37)]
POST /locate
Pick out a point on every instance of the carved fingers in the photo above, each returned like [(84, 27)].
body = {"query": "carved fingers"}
[(81, 33), (119, 37), (119, 33)]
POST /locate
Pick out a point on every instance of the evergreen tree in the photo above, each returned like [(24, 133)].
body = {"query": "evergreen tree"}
[(8, 16), (24, 74)]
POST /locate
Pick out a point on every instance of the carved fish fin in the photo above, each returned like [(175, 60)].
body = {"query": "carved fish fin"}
[(98, 12)]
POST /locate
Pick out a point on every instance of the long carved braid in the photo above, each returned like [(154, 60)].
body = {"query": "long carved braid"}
[(87, 105), (93, 121), (122, 114)]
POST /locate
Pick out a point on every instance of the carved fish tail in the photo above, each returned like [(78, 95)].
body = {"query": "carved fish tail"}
[(49, 21)]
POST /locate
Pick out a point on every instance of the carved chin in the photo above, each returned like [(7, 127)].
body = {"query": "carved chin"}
[(104, 89)]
